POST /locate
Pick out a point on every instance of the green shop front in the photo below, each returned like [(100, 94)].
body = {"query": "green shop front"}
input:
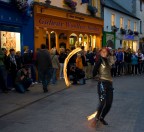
[(109, 39)]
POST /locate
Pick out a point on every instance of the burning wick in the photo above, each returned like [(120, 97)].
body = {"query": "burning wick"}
[(92, 116)]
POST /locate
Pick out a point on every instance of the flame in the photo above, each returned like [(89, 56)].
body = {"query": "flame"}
[(65, 65), (92, 116)]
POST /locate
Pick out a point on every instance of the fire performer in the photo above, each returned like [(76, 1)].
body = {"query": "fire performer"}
[(102, 69)]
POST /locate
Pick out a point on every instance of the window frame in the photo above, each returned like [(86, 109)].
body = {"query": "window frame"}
[(121, 22), (113, 17), (129, 24), (135, 26)]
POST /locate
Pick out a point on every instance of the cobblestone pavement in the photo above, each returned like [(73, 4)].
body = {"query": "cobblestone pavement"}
[(66, 111)]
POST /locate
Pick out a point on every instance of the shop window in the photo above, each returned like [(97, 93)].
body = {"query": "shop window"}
[(73, 40), (63, 36), (81, 40), (10, 40), (90, 41), (112, 19), (86, 40), (129, 24), (53, 39)]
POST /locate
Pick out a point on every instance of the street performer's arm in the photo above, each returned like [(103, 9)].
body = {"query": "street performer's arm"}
[(96, 67)]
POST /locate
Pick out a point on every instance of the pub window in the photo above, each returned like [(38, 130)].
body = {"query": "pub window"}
[(94, 3), (112, 19), (121, 22), (135, 26), (129, 24)]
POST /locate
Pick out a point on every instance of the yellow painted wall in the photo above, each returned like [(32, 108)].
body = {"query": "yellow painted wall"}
[(40, 32), (81, 8)]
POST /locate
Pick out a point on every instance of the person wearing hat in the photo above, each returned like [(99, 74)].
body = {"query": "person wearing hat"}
[(102, 70), (23, 80)]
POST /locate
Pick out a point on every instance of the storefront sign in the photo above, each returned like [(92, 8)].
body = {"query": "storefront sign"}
[(72, 16), (64, 24), (129, 37)]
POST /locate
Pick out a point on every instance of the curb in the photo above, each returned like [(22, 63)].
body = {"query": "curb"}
[(28, 104)]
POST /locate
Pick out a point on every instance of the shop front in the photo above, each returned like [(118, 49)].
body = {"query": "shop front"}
[(61, 28), (16, 30), (109, 39), (130, 41)]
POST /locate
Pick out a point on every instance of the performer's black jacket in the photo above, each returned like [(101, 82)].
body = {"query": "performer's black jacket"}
[(102, 68)]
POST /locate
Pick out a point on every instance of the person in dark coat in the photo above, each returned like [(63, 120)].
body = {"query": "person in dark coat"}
[(12, 66), (44, 65)]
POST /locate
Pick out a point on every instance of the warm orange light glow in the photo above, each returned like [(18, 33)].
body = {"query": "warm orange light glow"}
[(92, 116), (66, 63)]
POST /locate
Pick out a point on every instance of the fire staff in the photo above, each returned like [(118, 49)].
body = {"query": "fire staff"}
[(102, 69)]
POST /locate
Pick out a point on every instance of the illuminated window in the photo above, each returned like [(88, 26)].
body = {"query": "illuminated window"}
[(129, 24), (121, 22), (94, 3), (10, 40), (112, 19), (135, 26)]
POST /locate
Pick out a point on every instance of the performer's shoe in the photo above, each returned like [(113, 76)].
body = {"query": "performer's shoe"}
[(103, 121), (94, 123)]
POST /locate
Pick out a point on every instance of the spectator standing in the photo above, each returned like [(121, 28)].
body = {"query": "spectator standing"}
[(62, 57), (44, 65), (55, 64), (28, 60), (127, 61), (139, 62), (3, 73), (19, 60), (134, 62), (90, 56), (5, 60), (12, 66), (84, 61), (119, 56), (112, 61)]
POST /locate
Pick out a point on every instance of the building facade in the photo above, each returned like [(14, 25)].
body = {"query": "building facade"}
[(58, 24), (121, 27), (16, 29)]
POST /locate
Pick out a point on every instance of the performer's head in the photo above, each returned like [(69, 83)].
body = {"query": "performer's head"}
[(104, 52)]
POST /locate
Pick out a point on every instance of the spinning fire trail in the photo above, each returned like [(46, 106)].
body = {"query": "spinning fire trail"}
[(66, 63)]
